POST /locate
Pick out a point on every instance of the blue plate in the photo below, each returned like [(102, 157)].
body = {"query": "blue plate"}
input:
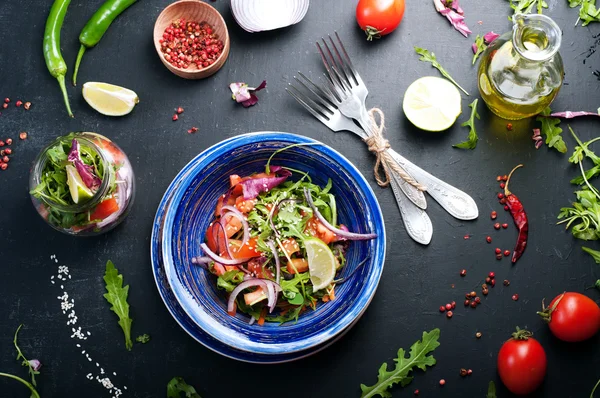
[(188, 207)]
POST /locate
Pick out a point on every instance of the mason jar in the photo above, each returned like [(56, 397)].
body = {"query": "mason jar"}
[(83, 192)]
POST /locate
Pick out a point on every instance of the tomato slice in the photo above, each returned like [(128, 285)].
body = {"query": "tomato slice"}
[(234, 179), (104, 209), (257, 269), (297, 264), (290, 246), (246, 251), (245, 206), (315, 228), (215, 238)]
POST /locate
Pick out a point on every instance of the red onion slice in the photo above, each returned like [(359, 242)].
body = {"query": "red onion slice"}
[(225, 261), (276, 258), (337, 231), (272, 297), (232, 211), (571, 114), (244, 285)]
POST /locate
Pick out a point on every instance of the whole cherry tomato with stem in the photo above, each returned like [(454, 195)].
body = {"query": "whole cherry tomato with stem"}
[(379, 17), (572, 317), (522, 363)]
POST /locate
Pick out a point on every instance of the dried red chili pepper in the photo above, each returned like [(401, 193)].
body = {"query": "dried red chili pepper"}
[(519, 217)]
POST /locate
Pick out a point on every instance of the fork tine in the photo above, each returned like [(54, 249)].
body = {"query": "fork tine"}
[(324, 96), (334, 89), (334, 63), (344, 69), (345, 85), (298, 96), (347, 60), (326, 62)]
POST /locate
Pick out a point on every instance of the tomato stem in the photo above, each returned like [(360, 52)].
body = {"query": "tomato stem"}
[(546, 312), (522, 334), (373, 33)]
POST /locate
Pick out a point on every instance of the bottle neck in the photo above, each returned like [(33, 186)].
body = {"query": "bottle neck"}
[(101, 192), (536, 37)]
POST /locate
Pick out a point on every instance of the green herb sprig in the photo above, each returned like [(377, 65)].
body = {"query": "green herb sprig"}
[(144, 338), (177, 386), (25, 361), (526, 6), (117, 296), (587, 12), (581, 152), (491, 390), (471, 141), (427, 56), (481, 46), (418, 358), (551, 130)]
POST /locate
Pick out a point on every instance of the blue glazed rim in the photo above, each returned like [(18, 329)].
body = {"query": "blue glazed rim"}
[(225, 333)]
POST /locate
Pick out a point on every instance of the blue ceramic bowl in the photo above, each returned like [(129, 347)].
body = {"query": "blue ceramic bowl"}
[(188, 207)]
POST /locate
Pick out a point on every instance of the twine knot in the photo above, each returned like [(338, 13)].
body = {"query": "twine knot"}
[(379, 146)]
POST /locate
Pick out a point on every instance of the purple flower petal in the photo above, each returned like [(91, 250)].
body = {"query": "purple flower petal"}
[(250, 101), (538, 144), (571, 114), (35, 364), (490, 37), (457, 20), (243, 94), (456, 7)]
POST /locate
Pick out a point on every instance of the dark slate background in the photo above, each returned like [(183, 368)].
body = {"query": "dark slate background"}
[(417, 279)]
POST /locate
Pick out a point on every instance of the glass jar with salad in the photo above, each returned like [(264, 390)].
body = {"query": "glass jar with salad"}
[(82, 184)]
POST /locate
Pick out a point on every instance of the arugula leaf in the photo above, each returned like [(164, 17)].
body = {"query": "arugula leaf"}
[(471, 142), (480, 47), (427, 56), (230, 279), (594, 253), (25, 362), (551, 130), (177, 386), (418, 358), (588, 12), (291, 315), (526, 6), (144, 338), (491, 390), (117, 297)]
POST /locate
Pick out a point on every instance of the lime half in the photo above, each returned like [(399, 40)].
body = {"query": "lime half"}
[(108, 99), (432, 103), (79, 192), (321, 263)]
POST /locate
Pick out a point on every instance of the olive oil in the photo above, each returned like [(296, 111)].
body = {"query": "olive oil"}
[(521, 72)]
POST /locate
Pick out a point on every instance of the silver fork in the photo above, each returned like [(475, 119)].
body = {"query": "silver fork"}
[(345, 78), (416, 221), (349, 107)]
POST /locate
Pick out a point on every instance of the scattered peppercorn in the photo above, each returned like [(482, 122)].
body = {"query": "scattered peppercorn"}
[(23, 135), (442, 382), (185, 43), (179, 110), (498, 251), (477, 300), (6, 159), (492, 274), (469, 372), (175, 117), (449, 314), (467, 302), (478, 335), (493, 283), (504, 177), (503, 201), (500, 195), (506, 253), (488, 280), (473, 294), (442, 308), (7, 100), (8, 141), (5, 105), (453, 304), (499, 178), (506, 282), (463, 372), (505, 225), (2, 143), (515, 297), (498, 256), (488, 239), (509, 126), (463, 272), (502, 185), (8, 151), (473, 304), (19, 103), (192, 130), (493, 215), (485, 292), (448, 307), (27, 106), (497, 225), (4, 166), (416, 392)]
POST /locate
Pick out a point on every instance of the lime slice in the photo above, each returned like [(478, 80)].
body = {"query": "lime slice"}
[(432, 103), (321, 263), (108, 99), (79, 192)]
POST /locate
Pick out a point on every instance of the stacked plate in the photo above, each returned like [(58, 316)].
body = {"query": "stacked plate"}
[(190, 293), (259, 15)]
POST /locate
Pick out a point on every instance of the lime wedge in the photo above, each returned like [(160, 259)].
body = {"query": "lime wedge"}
[(321, 263), (108, 99), (79, 192), (432, 103)]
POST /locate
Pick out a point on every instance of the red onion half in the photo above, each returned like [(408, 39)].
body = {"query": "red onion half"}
[(337, 231)]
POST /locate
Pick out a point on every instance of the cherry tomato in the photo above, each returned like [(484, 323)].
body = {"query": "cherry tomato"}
[(572, 317), (315, 228), (105, 209), (379, 17), (247, 251), (522, 363)]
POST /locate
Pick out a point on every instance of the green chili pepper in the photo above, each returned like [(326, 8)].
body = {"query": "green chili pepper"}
[(98, 24), (54, 60)]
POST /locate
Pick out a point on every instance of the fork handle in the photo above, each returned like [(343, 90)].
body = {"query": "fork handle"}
[(453, 200)]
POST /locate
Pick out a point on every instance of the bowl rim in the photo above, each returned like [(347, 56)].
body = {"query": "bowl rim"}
[(235, 339), (224, 53)]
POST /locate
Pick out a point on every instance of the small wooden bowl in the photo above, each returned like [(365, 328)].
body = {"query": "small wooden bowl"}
[(196, 11)]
